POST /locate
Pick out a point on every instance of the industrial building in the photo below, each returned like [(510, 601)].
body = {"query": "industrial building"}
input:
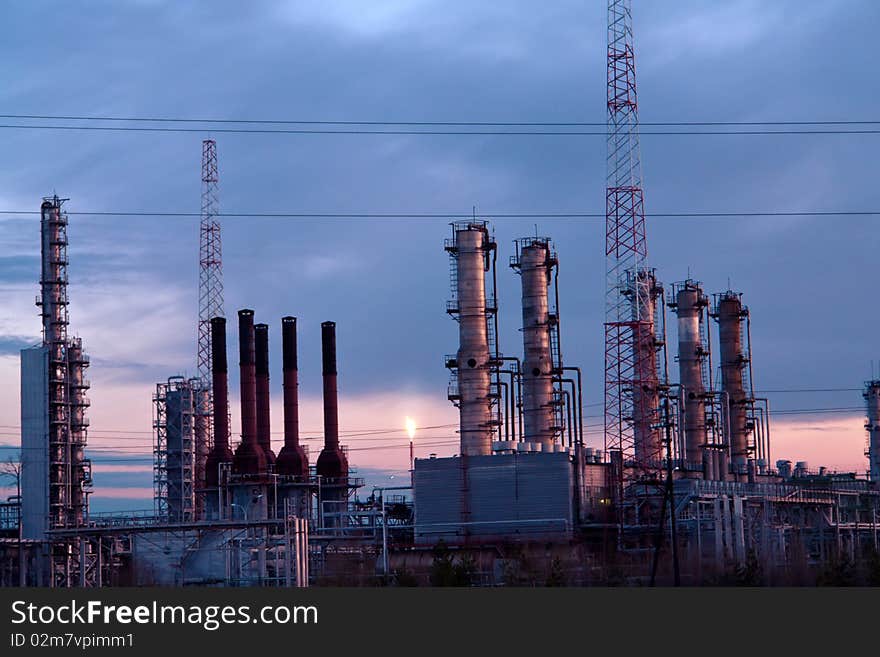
[(681, 488)]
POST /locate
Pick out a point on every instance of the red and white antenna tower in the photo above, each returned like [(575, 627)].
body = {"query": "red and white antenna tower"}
[(210, 305), (210, 260), (628, 321)]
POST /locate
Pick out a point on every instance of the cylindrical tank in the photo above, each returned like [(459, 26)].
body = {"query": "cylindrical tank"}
[(264, 436), (292, 460), (872, 399), (249, 458), (646, 399), (220, 452), (730, 313), (690, 302), (474, 368), (537, 374)]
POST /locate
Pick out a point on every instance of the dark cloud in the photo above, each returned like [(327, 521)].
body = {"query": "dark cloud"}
[(385, 282)]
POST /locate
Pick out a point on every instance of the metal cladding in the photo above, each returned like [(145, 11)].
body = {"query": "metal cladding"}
[(535, 265), (470, 249), (264, 436), (689, 304), (872, 399), (220, 453), (249, 457), (646, 399), (332, 463), (730, 314), (292, 459)]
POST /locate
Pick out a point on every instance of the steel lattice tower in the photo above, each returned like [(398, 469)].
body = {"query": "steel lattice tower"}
[(210, 259), (210, 305), (627, 300)]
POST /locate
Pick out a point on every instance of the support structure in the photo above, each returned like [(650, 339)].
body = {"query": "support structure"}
[(629, 374), (174, 413), (210, 306)]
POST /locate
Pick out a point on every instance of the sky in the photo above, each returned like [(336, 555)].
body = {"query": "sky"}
[(133, 280)]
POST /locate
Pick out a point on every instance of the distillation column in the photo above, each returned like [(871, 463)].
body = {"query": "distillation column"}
[(470, 249), (53, 283), (646, 382), (689, 304), (535, 265), (80, 466), (730, 314), (872, 398)]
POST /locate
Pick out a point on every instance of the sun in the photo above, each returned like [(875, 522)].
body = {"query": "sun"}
[(410, 427)]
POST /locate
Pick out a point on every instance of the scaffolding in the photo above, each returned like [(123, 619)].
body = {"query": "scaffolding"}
[(175, 413)]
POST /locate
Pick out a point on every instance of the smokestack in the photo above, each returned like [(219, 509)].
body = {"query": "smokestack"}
[(220, 453), (689, 304), (292, 459), (264, 437), (249, 457), (332, 462), (535, 265)]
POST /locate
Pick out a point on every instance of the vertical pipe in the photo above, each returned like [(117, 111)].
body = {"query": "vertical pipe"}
[(292, 459), (264, 434), (220, 453), (249, 457)]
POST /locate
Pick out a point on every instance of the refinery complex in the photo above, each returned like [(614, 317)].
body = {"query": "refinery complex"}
[(683, 490)]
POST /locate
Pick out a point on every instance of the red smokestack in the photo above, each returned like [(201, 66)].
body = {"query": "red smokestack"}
[(332, 462), (292, 459), (220, 453), (264, 438), (249, 458)]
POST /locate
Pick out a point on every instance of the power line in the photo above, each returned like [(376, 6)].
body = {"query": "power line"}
[(166, 119), (410, 132), (463, 215)]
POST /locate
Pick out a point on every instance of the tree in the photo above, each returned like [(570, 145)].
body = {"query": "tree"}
[(11, 469)]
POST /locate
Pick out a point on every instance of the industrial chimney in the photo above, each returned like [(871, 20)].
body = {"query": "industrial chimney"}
[(470, 250), (689, 303), (535, 263), (332, 463), (249, 457), (264, 436), (730, 314), (644, 292), (292, 460), (220, 453), (872, 398)]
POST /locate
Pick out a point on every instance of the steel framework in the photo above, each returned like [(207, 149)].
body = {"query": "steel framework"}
[(628, 328), (210, 305)]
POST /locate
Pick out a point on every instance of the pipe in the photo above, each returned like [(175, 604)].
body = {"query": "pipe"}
[(220, 452), (249, 457), (292, 459), (264, 435), (580, 401)]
